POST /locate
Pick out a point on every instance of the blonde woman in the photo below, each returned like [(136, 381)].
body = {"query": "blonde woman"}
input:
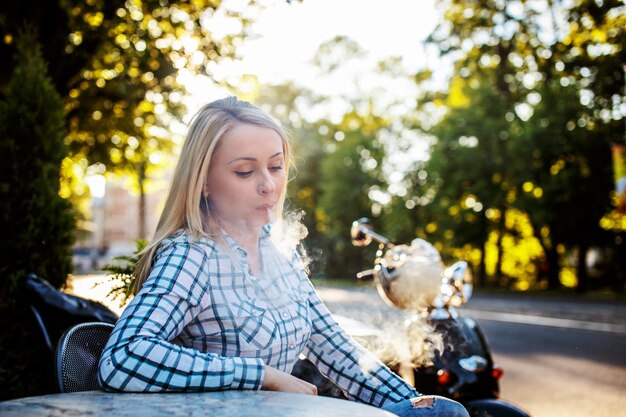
[(218, 305)]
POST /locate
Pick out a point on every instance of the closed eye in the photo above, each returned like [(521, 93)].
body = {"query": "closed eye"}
[(243, 174)]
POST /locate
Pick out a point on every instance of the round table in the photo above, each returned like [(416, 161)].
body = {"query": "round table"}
[(209, 404)]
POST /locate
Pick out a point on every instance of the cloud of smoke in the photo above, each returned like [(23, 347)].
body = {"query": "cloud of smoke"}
[(288, 232), (397, 338), (409, 345)]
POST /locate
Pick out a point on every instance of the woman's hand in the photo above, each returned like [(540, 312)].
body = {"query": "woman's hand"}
[(276, 380)]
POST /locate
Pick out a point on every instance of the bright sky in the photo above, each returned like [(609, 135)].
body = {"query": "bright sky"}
[(287, 36), (291, 33)]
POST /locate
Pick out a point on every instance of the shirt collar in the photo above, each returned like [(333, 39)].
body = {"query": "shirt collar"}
[(265, 233)]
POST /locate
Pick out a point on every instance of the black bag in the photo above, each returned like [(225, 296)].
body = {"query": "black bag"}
[(56, 311)]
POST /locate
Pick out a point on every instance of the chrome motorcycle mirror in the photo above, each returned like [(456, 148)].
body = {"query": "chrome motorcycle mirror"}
[(362, 233)]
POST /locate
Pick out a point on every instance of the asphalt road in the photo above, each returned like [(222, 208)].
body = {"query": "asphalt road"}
[(555, 372), (554, 365)]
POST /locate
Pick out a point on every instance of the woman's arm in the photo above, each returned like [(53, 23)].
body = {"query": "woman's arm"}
[(139, 355), (276, 380), (348, 364)]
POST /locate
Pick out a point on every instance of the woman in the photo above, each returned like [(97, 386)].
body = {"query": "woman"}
[(218, 305)]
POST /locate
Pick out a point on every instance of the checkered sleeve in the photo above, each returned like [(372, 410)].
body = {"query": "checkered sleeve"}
[(343, 360), (140, 357)]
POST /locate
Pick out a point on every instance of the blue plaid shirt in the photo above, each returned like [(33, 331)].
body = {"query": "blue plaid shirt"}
[(202, 322)]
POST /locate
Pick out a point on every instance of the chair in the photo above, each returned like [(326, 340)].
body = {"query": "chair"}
[(77, 356)]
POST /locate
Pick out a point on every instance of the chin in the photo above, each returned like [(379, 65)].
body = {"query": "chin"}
[(267, 217), (258, 221)]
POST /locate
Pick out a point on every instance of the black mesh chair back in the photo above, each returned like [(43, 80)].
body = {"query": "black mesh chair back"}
[(77, 356)]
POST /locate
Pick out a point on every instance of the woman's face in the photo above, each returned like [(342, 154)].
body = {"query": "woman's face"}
[(247, 176)]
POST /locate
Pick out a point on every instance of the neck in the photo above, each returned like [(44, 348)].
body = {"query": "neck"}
[(246, 237)]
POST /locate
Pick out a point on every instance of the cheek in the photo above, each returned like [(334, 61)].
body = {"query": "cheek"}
[(232, 191), (227, 199), (280, 182), (221, 188)]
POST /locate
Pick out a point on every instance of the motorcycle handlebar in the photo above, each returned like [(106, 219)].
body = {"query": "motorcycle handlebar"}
[(369, 273)]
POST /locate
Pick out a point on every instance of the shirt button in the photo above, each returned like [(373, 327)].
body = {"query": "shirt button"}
[(292, 346), (284, 314)]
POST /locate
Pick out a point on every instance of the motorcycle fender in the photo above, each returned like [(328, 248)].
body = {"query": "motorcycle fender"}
[(493, 408)]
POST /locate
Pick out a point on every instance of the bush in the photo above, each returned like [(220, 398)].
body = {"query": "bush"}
[(120, 274), (37, 224)]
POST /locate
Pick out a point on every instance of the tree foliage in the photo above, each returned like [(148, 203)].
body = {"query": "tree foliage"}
[(336, 165), (116, 65), (539, 90), (350, 170), (470, 166), (38, 221), (37, 224), (119, 68)]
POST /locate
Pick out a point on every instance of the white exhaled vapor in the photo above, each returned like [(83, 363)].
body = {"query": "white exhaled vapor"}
[(288, 232), (409, 345)]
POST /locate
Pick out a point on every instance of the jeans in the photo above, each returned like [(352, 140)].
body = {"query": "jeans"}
[(427, 406)]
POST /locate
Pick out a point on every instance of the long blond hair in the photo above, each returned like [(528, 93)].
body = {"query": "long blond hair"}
[(185, 207)]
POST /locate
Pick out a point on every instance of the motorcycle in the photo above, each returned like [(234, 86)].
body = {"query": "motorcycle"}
[(460, 365)]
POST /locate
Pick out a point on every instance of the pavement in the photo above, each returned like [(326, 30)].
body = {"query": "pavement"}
[(537, 309), (94, 287), (550, 310)]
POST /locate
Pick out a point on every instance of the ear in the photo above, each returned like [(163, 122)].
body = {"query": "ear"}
[(205, 190)]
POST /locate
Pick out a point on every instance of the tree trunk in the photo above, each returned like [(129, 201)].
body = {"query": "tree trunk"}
[(482, 270), (498, 269), (549, 268), (581, 268), (619, 280), (552, 258), (141, 178)]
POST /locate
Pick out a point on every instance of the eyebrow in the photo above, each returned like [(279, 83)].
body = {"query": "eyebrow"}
[(248, 158)]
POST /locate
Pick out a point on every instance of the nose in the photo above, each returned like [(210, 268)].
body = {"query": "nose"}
[(266, 183)]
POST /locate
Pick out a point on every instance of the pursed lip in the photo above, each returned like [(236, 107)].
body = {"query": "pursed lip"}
[(268, 206)]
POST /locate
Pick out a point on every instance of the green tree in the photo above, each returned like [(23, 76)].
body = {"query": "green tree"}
[(349, 171), (117, 67), (335, 165), (37, 224), (534, 59), (592, 54), (492, 43), (338, 157), (470, 166), (566, 191)]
